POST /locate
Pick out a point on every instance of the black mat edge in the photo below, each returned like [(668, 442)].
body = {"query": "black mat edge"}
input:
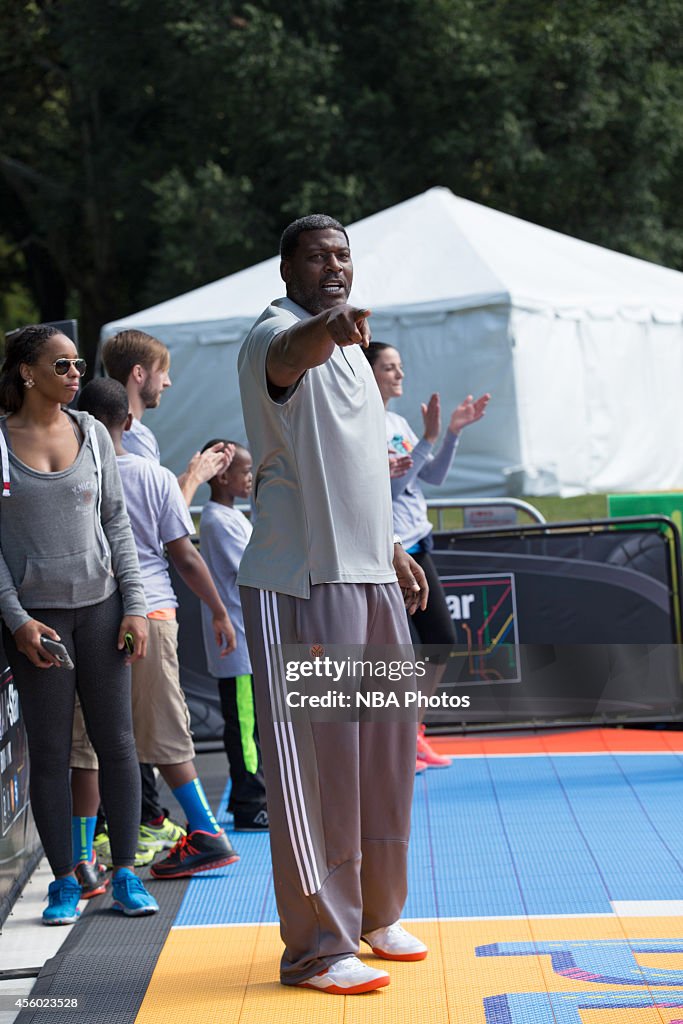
[(106, 962)]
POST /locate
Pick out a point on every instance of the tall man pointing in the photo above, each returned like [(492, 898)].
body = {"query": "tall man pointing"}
[(321, 568)]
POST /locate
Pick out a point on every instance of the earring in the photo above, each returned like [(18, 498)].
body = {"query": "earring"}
[(29, 382)]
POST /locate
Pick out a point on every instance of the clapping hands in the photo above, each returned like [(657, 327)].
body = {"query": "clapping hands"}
[(469, 411)]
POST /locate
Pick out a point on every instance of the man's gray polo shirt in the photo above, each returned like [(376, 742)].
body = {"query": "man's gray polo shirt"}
[(321, 471)]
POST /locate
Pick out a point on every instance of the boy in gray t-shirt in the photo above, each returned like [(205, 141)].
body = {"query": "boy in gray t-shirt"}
[(223, 536)]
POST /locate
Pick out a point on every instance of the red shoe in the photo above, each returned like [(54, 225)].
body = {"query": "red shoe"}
[(420, 766), (426, 752)]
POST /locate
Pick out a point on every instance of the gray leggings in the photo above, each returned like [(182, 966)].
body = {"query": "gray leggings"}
[(47, 702)]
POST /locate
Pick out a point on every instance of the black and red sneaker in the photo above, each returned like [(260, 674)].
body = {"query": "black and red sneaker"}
[(92, 878), (195, 852)]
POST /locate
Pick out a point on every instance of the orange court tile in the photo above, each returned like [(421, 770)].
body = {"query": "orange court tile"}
[(574, 741)]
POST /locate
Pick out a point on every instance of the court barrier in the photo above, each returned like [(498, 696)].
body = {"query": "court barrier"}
[(576, 622), (20, 848), (564, 623)]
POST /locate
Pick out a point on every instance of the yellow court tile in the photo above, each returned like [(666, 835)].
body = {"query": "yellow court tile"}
[(229, 975), (201, 975)]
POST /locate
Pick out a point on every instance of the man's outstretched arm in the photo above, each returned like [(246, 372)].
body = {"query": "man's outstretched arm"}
[(311, 342)]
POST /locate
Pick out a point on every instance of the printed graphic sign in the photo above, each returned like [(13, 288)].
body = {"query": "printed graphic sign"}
[(478, 517), (13, 755), (484, 613)]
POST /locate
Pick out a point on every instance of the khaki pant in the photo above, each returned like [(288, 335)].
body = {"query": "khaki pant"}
[(161, 720)]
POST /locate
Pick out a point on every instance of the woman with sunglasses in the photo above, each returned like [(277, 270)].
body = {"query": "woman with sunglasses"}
[(68, 572), (411, 460)]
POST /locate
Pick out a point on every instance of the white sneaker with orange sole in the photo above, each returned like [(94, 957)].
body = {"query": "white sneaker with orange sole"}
[(347, 977), (395, 943)]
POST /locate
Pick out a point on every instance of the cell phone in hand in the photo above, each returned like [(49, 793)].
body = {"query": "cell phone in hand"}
[(129, 641), (58, 650)]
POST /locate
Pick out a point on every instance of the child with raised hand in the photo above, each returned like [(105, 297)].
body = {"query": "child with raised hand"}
[(223, 535)]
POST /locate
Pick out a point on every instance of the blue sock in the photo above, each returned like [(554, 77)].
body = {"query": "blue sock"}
[(82, 835), (192, 799)]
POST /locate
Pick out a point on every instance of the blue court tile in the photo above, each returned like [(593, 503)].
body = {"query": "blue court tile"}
[(625, 822), (506, 837), (240, 893)]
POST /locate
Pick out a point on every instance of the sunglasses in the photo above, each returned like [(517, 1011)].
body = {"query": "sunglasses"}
[(62, 366)]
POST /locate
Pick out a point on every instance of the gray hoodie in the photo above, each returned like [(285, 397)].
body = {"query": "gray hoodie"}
[(65, 537)]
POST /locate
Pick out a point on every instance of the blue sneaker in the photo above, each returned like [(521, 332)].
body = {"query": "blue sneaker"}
[(130, 895), (63, 895)]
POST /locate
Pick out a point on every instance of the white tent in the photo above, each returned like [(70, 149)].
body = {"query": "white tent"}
[(581, 348)]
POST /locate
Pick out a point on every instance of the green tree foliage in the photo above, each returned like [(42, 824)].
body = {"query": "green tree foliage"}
[(147, 148)]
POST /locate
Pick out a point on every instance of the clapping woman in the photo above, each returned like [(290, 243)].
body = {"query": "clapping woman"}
[(69, 572), (413, 460)]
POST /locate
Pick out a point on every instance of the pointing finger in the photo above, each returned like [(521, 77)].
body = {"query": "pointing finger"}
[(365, 332)]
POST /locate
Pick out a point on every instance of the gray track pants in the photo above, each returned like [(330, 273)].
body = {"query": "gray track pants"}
[(339, 792)]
